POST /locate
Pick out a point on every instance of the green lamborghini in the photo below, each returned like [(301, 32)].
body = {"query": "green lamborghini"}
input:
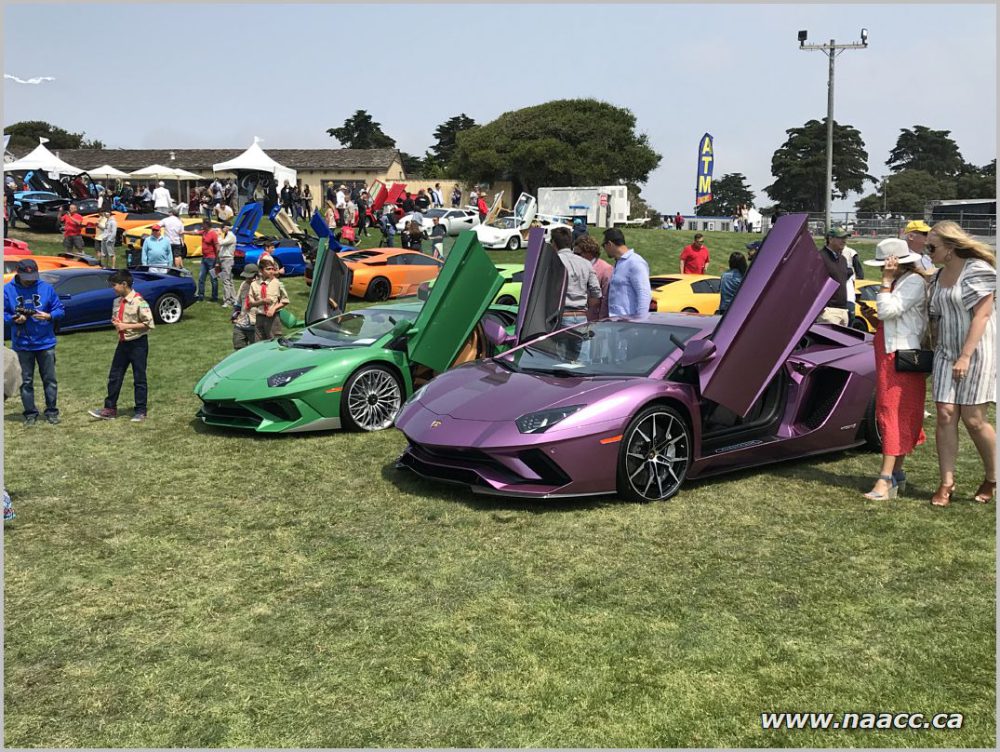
[(355, 369)]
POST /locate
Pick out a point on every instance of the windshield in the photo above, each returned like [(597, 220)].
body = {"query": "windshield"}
[(360, 327), (431, 213), (505, 223), (603, 348)]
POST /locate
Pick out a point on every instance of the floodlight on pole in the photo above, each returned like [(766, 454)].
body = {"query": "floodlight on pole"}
[(831, 50)]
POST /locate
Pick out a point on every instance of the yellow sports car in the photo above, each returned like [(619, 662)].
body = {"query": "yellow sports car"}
[(688, 293), (867, 292), (135, 236)]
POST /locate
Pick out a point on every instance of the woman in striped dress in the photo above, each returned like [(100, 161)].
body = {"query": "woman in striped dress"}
[(961, 307)]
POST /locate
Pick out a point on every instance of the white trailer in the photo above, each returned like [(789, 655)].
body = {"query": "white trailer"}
[(612, 210)]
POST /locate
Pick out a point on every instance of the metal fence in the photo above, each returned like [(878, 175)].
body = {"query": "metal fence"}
[(891, 225)]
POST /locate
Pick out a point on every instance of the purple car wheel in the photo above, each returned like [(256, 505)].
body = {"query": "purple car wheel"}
[(371, 399), (654, 456)]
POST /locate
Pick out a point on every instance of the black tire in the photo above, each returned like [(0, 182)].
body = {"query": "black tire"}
[(378, 289), (371, 399), (689, 309), (514, 243), (655, 455), (861, 326), (873, 437), (168, 309), (506, 300)]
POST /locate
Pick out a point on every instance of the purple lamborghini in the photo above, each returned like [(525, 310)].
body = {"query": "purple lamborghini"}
[(636, 406)]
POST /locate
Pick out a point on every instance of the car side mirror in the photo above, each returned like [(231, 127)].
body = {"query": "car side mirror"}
[(496, 334), (697, 352), (401, 328)]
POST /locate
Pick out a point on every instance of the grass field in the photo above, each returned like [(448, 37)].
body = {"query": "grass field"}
[(167, 584)]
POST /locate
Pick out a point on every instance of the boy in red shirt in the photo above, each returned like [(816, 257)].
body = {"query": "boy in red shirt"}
[(72, 223), (694, 258)]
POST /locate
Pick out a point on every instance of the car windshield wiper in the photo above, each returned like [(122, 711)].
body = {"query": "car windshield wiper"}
[(307, 345), (505, 364), (562, 373)]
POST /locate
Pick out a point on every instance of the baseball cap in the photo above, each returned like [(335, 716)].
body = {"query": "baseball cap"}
[(27, 270), (917, 225), (249, 271), (155, 227), (838, 232)]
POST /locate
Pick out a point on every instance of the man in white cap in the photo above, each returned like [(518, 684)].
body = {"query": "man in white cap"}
[(915, 235), (161, 199)]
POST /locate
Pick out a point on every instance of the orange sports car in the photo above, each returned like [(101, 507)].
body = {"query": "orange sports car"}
[(45, 263), (126, 221), (381, 273)]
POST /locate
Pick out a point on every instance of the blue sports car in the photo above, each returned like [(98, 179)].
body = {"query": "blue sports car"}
[(295, 250), (87, 296)]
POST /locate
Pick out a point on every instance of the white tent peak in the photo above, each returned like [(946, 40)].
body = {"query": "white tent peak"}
[(255, 159), (40, 158)]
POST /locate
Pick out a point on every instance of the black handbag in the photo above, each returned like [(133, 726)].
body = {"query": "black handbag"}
[(915, 361)]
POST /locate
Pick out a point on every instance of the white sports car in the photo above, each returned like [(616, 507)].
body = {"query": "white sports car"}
[(511, 232), (454, 220)]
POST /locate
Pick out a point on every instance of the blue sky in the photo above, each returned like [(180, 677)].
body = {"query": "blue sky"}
[(138, 76)]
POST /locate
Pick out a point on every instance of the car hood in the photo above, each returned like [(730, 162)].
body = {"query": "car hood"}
[(261, 360), (485, 391)]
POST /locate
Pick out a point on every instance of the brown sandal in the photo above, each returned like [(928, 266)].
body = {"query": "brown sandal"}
[(986, 493), (942, 497)]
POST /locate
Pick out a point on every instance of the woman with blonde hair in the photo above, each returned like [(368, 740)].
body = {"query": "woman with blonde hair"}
[(962, 311), (899, 396)]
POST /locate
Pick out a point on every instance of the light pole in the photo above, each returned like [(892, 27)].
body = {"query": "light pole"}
[(831, 50)]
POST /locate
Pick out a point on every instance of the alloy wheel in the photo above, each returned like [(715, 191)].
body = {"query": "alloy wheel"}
[(373, 399), (657, 452)]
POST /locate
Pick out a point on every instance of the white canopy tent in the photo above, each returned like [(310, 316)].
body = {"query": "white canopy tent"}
[(43, 160), (256, 159), (106, 172), (155, 172)]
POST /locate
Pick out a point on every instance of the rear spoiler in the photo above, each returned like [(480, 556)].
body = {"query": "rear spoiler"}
[(170, 271), (80, 257)]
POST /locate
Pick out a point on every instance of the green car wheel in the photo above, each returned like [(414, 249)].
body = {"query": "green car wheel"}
[(371, 399)]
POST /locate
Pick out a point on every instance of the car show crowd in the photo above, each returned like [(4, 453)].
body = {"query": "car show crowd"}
[(934, 313)]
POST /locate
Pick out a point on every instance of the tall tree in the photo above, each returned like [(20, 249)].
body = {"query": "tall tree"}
[(446, 136), (413, 165), (564, 142), (924, 149), (799, 166), (25, 134), (907, 192), (728, 192), (977, 182), (361, 132)]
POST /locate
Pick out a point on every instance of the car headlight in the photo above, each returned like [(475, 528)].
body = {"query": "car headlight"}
[(544, 419), (286, 377)]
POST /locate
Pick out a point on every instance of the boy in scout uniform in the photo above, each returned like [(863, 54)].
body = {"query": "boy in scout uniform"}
[(268, 296), (244, 316), (132, 318)]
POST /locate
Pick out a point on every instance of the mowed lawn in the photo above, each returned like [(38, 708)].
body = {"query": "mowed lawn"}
[(167, 584)]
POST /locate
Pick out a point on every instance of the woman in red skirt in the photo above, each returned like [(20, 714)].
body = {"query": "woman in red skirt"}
[(899, 396)]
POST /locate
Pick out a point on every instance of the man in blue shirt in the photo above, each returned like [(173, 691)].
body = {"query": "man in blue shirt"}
[(30, 305), (629, 292), (156, 250)]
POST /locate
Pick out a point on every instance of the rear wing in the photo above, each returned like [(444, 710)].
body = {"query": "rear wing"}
[(170, 271), (80, 257)]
